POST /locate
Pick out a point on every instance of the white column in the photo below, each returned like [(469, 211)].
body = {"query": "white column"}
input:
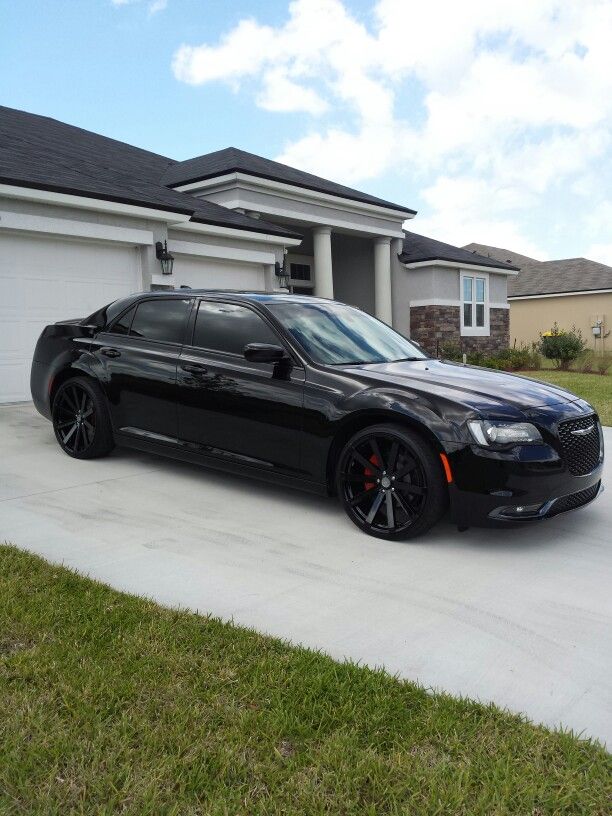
[(382, 279), (269, 277), (324, 281)]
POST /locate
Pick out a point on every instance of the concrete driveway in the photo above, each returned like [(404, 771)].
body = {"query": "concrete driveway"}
[(521, 617)]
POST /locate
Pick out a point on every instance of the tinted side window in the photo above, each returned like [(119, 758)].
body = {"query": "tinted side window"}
[(162, 320), (227, 327), (122, 326)]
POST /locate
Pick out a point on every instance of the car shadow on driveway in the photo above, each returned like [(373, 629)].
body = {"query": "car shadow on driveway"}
[(545, 534)]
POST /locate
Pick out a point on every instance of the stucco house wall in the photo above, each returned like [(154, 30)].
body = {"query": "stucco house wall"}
[(353, 260), (531, 316), (434, 295)]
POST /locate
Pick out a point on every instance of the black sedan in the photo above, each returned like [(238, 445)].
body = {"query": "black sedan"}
[(318, 395)]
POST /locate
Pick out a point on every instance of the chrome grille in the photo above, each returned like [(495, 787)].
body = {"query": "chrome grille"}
[(580, 444)]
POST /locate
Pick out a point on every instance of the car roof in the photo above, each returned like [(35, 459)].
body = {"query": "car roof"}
[(108, 313), (235, 294)]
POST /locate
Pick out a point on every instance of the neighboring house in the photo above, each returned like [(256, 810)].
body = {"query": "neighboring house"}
[(84, 217), (571, 292)]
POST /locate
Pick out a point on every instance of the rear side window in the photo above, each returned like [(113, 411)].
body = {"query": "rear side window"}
[(162, 320), (122, 326), (227, 327)]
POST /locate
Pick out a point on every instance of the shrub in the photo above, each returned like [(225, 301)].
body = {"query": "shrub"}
[(562, 347), (450, 351), (604, 364), (585, 362)]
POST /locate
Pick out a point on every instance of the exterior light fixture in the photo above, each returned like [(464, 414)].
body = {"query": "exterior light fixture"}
[(164, 257), (280, 270)]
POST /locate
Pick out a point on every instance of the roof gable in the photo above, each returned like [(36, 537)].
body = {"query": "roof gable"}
[(233, 160)]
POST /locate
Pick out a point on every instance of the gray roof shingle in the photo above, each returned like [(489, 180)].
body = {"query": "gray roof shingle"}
[(232, 160), (569, 275), (550, 277), (499, 254), (43, 153), (418, 248)]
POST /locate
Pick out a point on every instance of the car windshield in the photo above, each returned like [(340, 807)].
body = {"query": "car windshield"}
[(335, 334)]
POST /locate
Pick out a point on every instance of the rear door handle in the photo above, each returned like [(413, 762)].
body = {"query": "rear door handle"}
[(110, 352), (194, 368)]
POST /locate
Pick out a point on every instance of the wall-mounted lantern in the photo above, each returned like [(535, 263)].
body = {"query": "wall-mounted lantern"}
[(165, 258), (280, 270)]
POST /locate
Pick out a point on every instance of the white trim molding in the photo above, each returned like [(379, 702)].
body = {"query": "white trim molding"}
[(70, 228), (474, 330), (88, 203), (435, 302), (561, 294), (220, 252), (232, 232), (451, 302), (293, 191), (493, 270)]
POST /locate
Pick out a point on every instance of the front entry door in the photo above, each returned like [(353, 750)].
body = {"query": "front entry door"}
[(247, 412)]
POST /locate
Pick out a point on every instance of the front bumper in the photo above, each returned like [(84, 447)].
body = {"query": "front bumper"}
[(529, 483)]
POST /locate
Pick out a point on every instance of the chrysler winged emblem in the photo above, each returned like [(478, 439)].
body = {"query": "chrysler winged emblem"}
[(583, 431)]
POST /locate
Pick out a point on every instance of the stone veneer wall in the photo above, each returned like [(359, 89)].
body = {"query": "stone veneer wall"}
[(434, 326)]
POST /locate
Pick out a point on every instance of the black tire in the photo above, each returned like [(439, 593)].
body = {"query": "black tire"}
[(80, 419), (391, 482)]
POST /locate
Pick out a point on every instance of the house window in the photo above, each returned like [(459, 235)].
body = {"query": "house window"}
[(300, 271), (474, 304)]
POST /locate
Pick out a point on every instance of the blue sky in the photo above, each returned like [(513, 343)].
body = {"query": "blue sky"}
[(493, 118)]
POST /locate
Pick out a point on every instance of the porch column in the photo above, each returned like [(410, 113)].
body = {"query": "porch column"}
[(382, 279), (324, 281)]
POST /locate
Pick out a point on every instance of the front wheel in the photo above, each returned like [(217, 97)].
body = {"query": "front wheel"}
[(391, 483), (80, 420)]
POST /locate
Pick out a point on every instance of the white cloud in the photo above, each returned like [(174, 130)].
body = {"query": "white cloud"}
[(600, 252), (499, 101), (153, 6)]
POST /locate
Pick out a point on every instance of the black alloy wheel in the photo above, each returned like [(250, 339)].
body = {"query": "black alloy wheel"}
[(390, 482), (80, 420)]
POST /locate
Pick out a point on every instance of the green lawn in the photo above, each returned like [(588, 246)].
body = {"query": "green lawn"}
[(112, 705), (594, 388)]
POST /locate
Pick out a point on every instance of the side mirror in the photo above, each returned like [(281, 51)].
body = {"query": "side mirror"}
[(263, 353)]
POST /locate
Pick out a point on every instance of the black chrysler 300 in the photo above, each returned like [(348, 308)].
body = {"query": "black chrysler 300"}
[(315, 394)]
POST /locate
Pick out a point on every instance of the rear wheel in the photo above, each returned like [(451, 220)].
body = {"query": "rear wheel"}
[(390, 482), (80, 420)]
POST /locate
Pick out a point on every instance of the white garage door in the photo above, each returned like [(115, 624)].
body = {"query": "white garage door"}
[(211, 273), (45, 279)]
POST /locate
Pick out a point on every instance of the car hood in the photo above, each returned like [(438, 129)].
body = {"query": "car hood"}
[(480, 388)]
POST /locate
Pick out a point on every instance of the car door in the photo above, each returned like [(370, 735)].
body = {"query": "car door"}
[(137, 359), (229, 407)]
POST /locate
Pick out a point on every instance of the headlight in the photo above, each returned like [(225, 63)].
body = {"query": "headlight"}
[(489, 432)]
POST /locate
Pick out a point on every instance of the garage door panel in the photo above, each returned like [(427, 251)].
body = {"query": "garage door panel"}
[(208, 273), (43, 280)]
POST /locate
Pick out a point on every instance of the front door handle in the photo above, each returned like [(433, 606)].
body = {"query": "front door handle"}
[(110, 352), (194, 368)]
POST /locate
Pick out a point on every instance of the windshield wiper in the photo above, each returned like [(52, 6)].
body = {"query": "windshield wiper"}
[(407, 360)]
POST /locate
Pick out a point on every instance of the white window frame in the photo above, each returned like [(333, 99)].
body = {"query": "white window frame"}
[(302, 259), (475, 331)]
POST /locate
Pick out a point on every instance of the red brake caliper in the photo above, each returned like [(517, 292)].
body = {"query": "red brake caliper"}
[(367, 472)]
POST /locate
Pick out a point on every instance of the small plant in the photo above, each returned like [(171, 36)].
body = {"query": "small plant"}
[(585, 362), (450, 351), (562, 347), (604, 364)]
